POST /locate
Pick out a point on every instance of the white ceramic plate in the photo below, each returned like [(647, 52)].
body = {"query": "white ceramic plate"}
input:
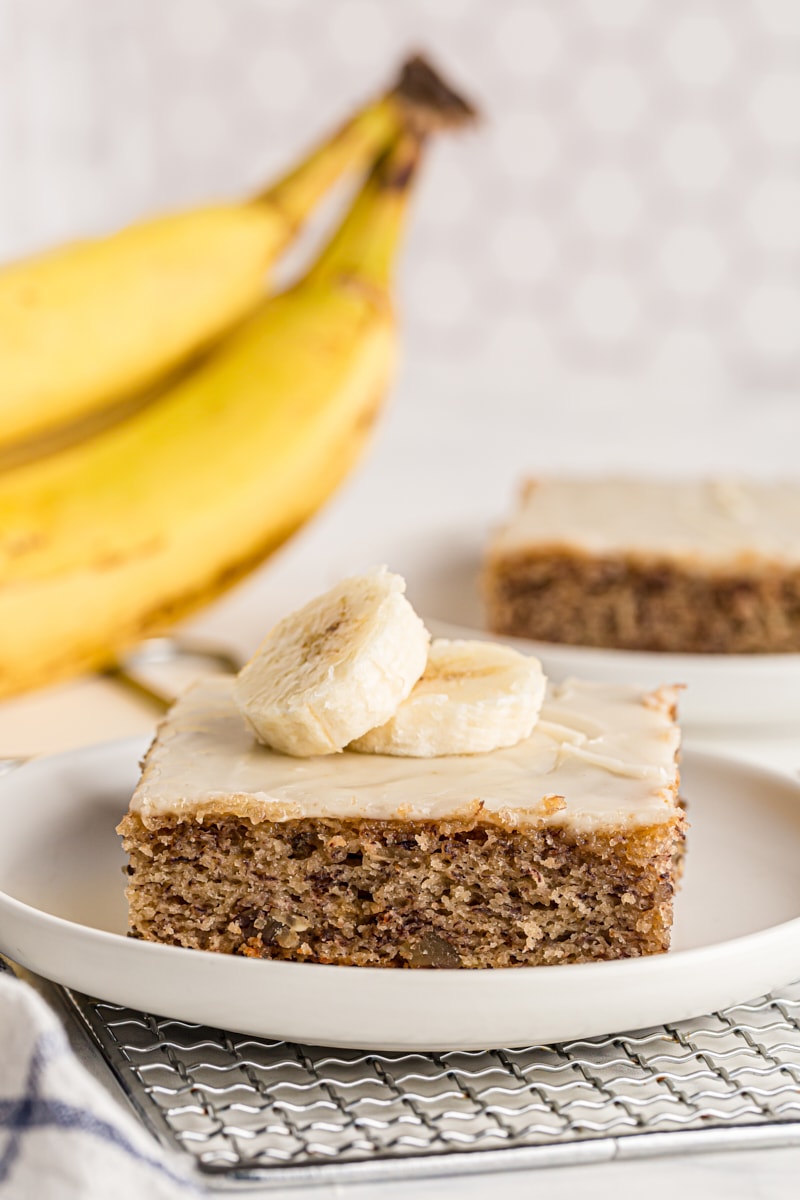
[(62, 914)]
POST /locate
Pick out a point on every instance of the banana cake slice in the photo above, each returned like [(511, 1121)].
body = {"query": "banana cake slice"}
[(562, 848), (694, 566)]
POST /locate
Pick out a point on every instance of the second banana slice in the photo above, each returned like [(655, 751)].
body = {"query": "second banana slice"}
[(474, 697)]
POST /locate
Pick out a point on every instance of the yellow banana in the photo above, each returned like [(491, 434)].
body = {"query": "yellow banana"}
[(114, 537), (92, 322)]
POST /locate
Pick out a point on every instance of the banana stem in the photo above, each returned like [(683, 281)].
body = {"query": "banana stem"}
[(366, 242), (420, 101), (354, 144)]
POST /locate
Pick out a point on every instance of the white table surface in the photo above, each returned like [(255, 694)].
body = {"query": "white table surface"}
[(440, 474)]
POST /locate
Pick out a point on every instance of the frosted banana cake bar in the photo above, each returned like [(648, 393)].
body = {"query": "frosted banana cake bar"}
[(697, 566), (563, 847)]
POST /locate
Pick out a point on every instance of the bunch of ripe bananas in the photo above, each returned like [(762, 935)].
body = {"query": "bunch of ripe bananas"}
[(165, 424)]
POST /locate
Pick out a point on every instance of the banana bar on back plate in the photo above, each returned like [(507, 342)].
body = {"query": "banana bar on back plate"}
[(698, 566), (562, 848)]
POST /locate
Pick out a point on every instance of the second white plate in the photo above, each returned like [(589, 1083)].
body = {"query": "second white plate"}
[(62, 914), (754, 692)]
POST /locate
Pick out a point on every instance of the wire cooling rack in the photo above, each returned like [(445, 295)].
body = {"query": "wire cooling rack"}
[(250, 1111)]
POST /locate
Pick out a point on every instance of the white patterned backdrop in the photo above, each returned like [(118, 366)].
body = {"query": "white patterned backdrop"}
[(628, 212)]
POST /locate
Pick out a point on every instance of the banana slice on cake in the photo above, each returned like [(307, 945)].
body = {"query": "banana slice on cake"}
[(473, 697), (336, 668)]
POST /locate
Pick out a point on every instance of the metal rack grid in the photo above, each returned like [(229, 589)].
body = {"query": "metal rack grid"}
[(250, 1111)]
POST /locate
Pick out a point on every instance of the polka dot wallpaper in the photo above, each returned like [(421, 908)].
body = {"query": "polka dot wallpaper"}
[(629, 206)]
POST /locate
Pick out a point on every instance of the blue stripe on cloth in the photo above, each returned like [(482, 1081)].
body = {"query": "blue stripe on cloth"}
[(22, 1115), (18, 1109), (33, 1111)]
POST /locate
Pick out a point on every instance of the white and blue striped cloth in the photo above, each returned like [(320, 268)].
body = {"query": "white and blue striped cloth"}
[(62, 1136)]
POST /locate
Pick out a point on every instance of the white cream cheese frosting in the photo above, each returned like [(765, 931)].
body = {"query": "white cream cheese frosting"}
[(704, 522), (602, 756)]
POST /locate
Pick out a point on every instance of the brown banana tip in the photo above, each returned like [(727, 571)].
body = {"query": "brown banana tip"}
[(429, 101)]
